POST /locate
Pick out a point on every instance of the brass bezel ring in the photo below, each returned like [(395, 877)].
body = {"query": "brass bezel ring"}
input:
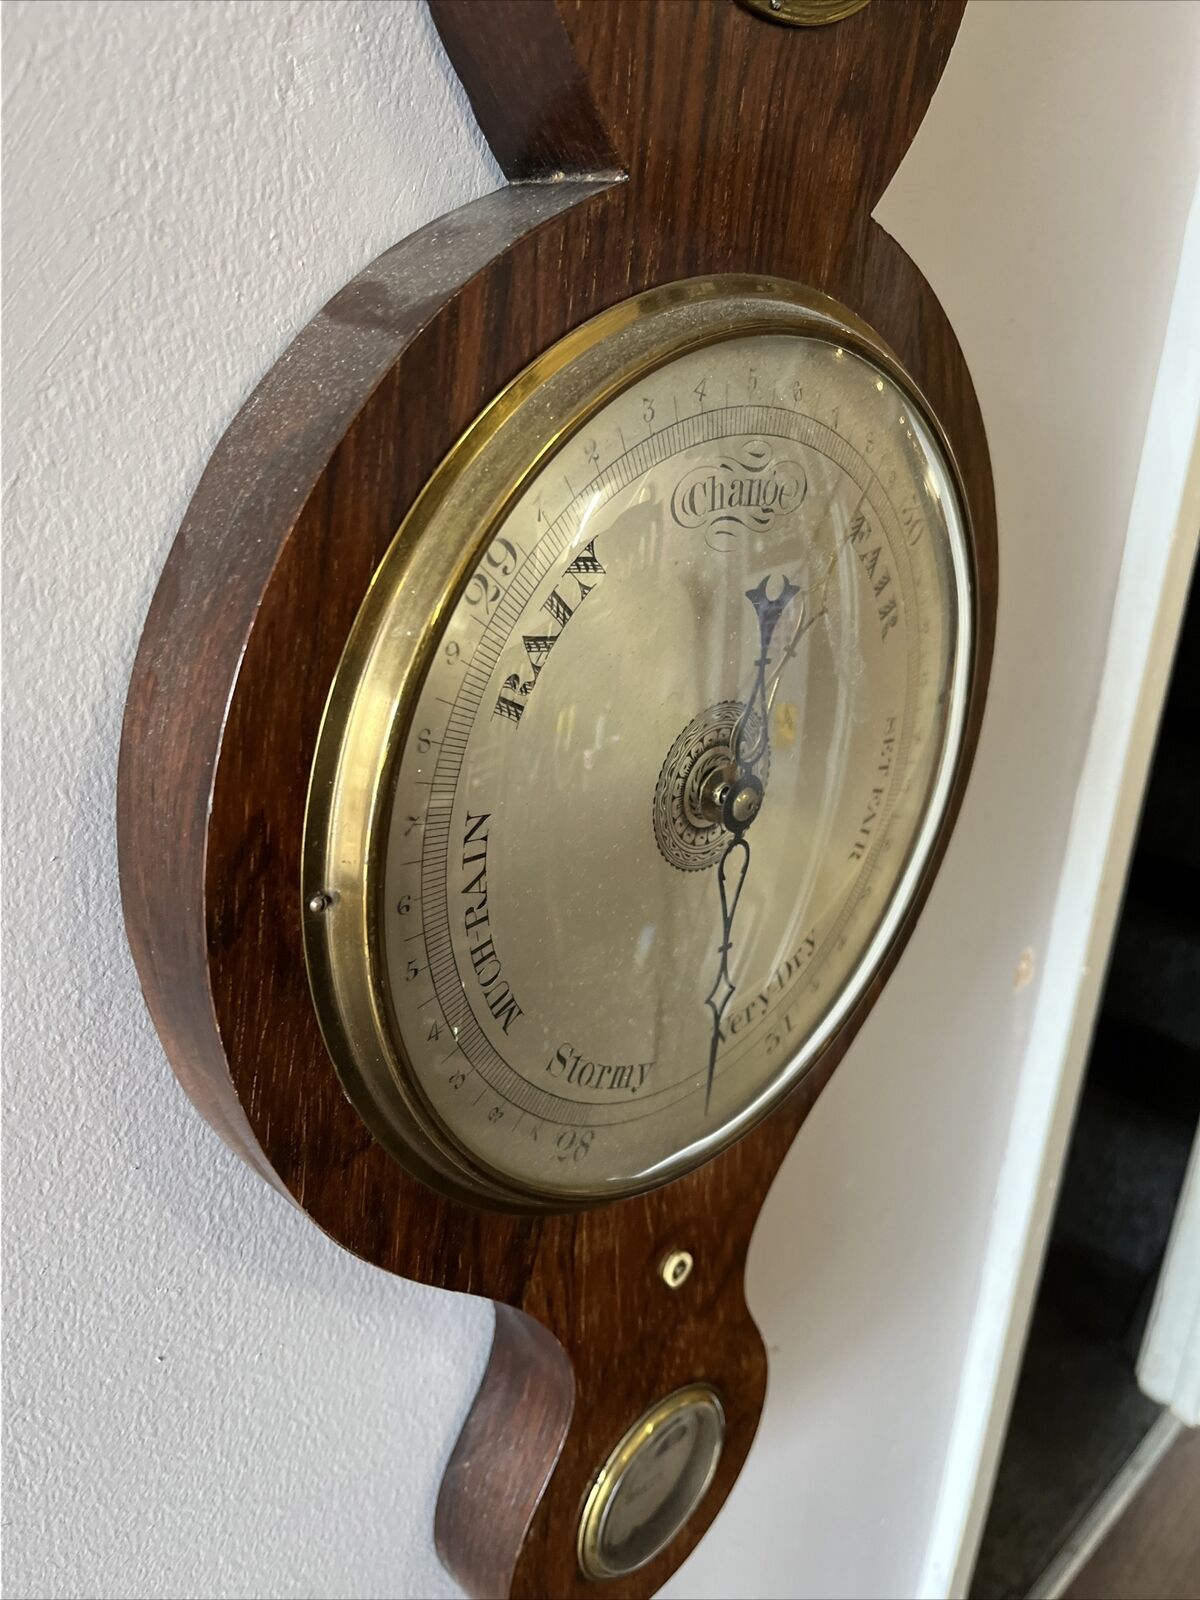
[(607, 1482), (386, 657), (805, 13)]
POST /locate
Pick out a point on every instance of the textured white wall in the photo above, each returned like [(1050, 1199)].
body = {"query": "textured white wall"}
[(203, 1396)]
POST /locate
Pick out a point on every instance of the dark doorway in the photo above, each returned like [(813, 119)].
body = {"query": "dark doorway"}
[(1078, 1414)]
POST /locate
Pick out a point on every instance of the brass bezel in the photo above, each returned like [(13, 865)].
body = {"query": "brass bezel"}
[(387, 654), (805, 13), (608, 1480)]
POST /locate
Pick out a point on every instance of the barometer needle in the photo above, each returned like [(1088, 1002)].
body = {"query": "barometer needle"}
[(804, 621), (742, 798), (722, 991)]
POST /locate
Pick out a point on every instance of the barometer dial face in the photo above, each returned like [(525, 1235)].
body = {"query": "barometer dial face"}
[(677, 762)]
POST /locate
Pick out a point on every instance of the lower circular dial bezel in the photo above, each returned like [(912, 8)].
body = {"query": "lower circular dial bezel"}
[(700, 1400)]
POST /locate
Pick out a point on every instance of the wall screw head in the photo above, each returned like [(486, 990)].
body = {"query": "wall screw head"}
[(676, 1268)]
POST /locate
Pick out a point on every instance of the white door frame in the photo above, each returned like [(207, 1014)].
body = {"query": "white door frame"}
[(1160, 549)]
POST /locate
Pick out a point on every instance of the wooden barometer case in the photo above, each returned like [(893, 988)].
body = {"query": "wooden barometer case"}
[(551, 717)]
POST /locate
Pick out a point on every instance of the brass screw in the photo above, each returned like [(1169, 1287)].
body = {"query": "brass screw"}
[(676, 1268), (320, 902)]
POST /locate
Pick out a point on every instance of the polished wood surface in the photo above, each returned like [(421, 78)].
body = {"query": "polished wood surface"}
[(505, 1453), (1152, 1551), (668, 140)]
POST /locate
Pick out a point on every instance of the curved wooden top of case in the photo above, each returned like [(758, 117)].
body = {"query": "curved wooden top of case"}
[(647, 142)]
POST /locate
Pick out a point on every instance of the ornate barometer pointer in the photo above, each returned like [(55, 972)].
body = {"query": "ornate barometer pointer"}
[(768, 613), (737, 799), (439, 609)]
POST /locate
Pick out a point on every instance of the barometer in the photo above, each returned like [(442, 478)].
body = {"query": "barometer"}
[(639, 745), (550, 721)]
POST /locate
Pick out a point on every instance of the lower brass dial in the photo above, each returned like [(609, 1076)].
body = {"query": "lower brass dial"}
[(651, 1483)]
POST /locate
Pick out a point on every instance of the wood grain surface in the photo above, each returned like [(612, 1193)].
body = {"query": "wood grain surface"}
[(1152, 1551), (666, 141)]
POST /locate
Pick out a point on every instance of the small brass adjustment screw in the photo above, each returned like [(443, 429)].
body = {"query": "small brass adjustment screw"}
[(676, 1268), (320, 902)]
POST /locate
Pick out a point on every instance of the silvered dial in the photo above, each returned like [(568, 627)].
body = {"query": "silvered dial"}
[(676, 765)]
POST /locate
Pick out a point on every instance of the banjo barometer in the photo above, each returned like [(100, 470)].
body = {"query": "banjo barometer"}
[(550, 720)]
